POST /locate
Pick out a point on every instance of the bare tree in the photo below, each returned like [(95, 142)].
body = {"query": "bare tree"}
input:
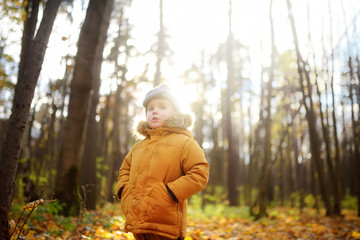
[(306, 89), (325, 127)]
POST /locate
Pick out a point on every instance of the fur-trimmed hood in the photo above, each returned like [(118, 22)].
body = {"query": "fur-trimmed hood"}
[(178, 122)]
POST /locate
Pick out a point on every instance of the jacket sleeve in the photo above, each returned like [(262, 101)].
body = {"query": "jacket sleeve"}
[(196, 172), (124, 173)]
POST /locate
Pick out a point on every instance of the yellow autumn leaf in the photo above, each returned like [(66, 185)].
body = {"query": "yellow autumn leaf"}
[(129, 236), (11, 227), (30, 234), (355, 234), (99, 232), (107, 235), (188, 238), (33, 205)]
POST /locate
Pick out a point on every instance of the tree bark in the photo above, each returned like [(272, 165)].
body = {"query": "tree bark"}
[(70, 156), (26, 153), (88, 163), (32, 10), (28, 35), (338, 166), (232, 166), (24, 93), (263, 195)]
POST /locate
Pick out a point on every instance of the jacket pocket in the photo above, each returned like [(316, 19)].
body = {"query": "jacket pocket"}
[(162, 208), (125, 196)]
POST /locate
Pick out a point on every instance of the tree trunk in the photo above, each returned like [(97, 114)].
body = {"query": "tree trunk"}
[(338, 166), (314, 186), (217, 168), (160, 47), (104, 140), (300, 188), (64, 91), (115, 152), (88, 163), (24, 93), (282, 174), (355, 133), (69, 161), (51, 145), (258, 142), (251, 159), (26, 153), (266, 179), (263, 195), (291, 173), (347, 154), (311, 117), (357, 136), (115, 159), (232, 166), (32, 10)]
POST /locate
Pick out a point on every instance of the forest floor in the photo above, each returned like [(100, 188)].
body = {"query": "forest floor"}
[(215, 222)]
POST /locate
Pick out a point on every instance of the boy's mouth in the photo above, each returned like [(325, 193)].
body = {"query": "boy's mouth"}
[(155, 119)]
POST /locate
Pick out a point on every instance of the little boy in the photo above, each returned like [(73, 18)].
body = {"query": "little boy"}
[(161, 171)]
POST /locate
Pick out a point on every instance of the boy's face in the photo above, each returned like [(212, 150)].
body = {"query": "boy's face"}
[(157, 111)]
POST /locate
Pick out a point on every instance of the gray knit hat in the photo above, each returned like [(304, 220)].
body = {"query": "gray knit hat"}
[(162, 91)]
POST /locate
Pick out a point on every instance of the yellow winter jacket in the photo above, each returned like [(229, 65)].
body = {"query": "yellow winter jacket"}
[(158, 175)]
